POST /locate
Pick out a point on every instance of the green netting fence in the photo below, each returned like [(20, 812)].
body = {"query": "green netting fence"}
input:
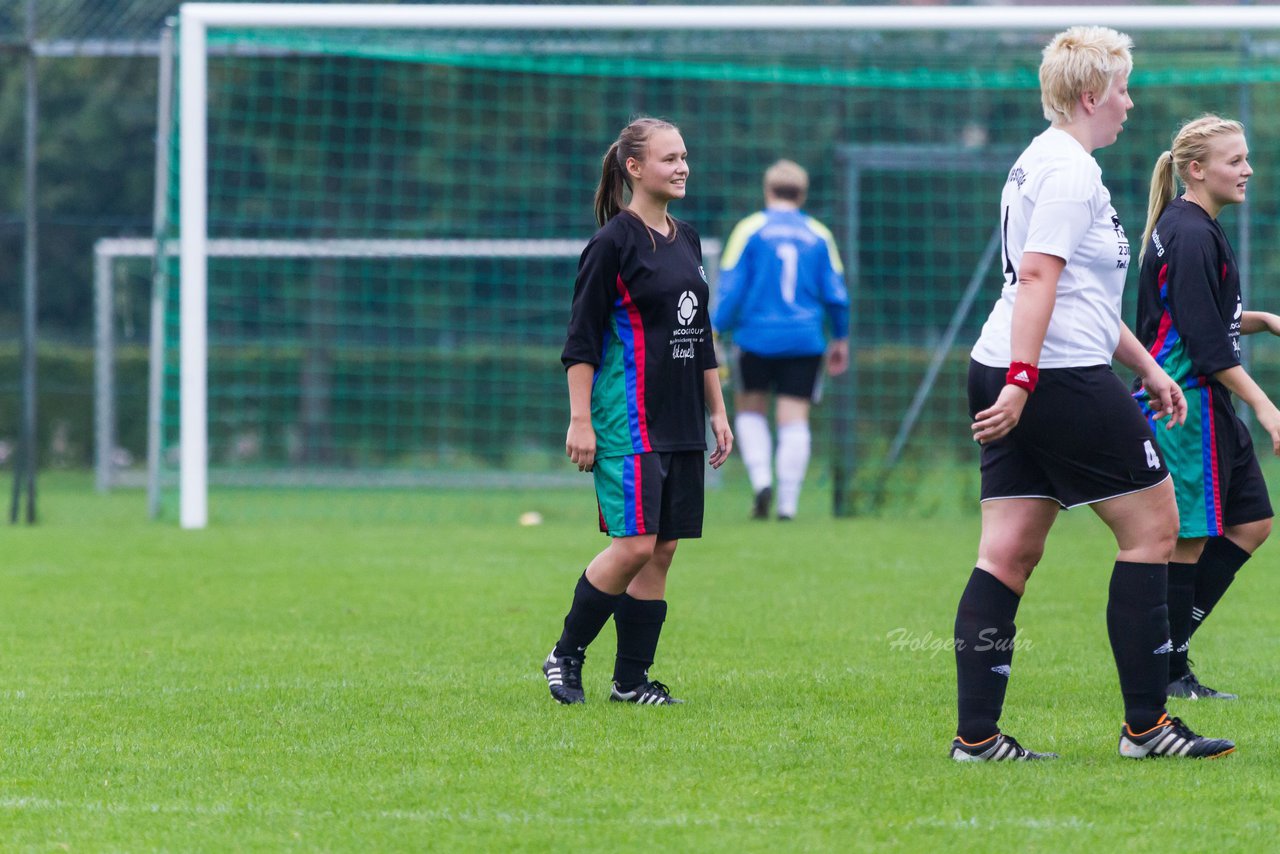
[(405, 366)]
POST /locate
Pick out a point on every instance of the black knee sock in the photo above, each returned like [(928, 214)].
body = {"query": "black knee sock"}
[(587, 615), (1138, 625), (984, 634), (1182, 593), (639, 623), (1217, 568)]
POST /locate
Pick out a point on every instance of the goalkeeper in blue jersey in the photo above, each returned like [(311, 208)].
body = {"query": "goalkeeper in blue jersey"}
[(781, 292)]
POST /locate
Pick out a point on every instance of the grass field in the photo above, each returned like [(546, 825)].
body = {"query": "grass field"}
[(373, 685)]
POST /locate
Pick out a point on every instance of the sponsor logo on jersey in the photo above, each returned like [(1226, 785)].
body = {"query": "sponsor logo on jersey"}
[(1122, 244), (686, 308)]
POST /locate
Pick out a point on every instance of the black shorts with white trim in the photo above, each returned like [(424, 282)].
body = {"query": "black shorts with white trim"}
[(1081, 439)]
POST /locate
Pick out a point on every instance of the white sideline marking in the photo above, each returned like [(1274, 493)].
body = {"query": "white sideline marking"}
[(423, 816), (975, 823), (46, 805), (172, 690)]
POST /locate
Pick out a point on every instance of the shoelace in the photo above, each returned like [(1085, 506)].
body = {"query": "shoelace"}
[(658, 688), (1019, 752), (1182, 729), (571, 671)]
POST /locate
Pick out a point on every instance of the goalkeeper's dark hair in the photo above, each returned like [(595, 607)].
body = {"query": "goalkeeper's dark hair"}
[(614, 180)]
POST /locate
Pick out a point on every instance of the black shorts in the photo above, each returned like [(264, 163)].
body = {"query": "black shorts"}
[(651, 493), (1082, 438), (794, 376), (1215, 469)]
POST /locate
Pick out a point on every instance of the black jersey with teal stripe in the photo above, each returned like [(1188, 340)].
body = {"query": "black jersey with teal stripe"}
[(1189, 319), (640, 317), (1189, 306)]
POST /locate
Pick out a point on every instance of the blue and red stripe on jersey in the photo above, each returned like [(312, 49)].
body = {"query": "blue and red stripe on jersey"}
[(1167, 336), (630, 328)]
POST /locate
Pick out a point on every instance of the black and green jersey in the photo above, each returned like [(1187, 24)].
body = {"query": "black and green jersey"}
[(1189, 317), (1189, 305), (640, 317)]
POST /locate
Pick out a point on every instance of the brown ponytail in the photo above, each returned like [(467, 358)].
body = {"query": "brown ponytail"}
[(632, 142), (613, 178)]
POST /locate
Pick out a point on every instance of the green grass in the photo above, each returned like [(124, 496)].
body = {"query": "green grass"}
[(313, 684)]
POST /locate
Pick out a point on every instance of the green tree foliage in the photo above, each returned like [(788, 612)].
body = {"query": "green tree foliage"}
[(96, 143)]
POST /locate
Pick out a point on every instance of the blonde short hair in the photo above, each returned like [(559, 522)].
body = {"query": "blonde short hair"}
[(786, 180), (1079, 60)]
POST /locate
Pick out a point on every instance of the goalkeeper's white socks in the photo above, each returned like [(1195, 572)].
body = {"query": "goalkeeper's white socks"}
[(752, 440), (794, 444)]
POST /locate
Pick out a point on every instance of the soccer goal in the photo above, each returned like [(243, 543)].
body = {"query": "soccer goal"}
[(475, 129)]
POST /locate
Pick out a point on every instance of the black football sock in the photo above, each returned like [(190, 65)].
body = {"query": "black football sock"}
[(1182, 592), (639, 623), (984, 633), (1138, 625), (587, 615), (1217, 568)]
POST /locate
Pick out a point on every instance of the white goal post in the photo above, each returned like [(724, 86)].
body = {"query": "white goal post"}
[(197, 19)]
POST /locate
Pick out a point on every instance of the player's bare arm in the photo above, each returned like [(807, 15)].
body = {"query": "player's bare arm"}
[(719, 418), (1038, 277), (580, 441), (1253, 322)]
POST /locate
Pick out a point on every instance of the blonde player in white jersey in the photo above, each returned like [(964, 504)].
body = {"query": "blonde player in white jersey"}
[(1058, 428)]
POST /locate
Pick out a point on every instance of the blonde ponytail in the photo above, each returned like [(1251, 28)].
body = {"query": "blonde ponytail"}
[(1163, 188), (1191, 143)]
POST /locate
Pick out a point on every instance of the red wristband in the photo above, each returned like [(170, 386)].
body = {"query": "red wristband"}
[(1023, 375)]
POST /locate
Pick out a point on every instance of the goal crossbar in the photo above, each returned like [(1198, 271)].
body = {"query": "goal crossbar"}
[(197, 19), (672, 17)]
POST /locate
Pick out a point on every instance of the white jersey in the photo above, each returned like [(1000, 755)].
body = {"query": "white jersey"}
[(1054, 203)]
